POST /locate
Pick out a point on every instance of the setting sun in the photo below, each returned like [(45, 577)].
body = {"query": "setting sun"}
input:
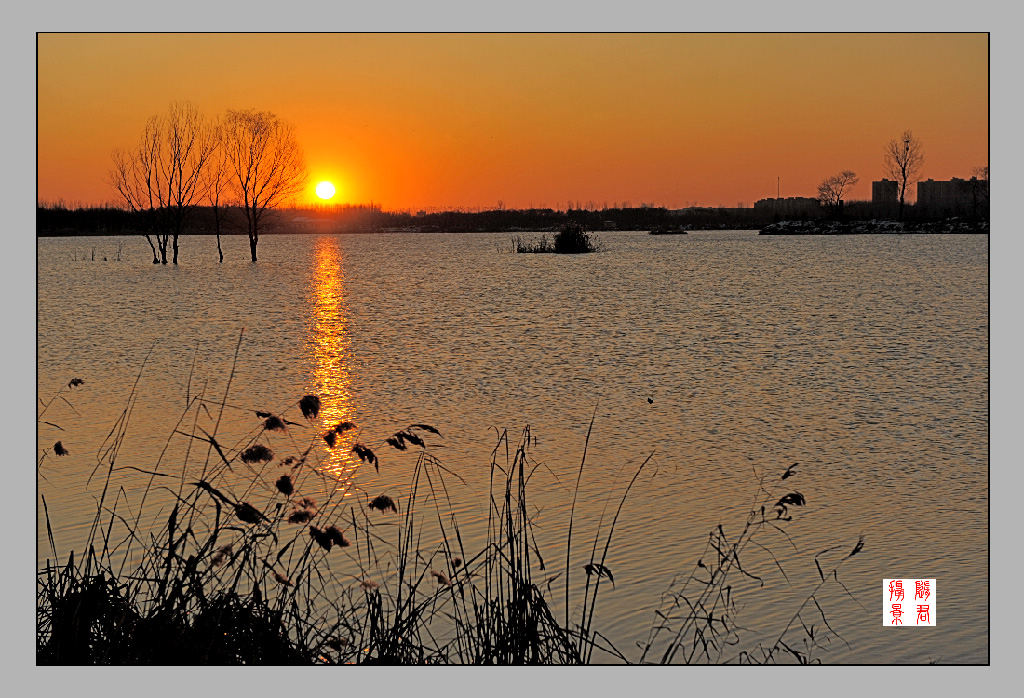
[(325, 190)]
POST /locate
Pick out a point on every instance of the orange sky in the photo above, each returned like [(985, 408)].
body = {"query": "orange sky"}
[(413, 121)]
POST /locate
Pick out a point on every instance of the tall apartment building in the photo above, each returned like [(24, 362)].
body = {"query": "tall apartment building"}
[(952, 197), (885, 191)]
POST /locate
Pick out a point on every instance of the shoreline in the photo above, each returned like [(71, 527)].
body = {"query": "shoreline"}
[(950, 226)]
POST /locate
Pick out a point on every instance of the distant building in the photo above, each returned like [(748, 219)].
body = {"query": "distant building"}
[(789, 206), (885, 191), (952, 197)]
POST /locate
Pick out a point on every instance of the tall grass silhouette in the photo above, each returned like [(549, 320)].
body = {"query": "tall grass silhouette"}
[(233, 559)]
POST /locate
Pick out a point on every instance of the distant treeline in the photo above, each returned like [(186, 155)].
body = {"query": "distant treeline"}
[(546, 219), (56, 220)]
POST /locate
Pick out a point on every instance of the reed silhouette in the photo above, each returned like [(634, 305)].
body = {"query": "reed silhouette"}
[(248, 567)]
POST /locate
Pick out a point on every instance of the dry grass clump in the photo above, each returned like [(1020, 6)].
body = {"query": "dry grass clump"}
[(335, 534), (248, 513), (571, 239), (382, 502), (309, 405), (304, 510), (329, 537), (257, 453), (273, 423), (285, 485), (366, 455), (332, 434)]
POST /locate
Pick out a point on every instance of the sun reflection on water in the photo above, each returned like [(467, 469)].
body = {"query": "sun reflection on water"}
[(328, 348)]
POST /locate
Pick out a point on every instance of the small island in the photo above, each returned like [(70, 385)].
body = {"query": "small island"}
[(671, 230)]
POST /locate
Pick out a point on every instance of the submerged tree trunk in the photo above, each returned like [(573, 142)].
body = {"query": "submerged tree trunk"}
[(161, 242), (252, 245), (216, 227), (152, 247), (175, 243)]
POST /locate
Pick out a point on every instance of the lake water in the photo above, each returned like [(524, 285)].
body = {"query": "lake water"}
[(865, 359)]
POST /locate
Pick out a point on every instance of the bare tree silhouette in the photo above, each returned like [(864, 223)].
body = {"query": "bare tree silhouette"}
[(904, 157), (164, 175), (133, 178), (217, 183), (830, 191), (265, 164)]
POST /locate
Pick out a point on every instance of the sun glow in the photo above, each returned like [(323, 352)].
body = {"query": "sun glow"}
[(325, 190)]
